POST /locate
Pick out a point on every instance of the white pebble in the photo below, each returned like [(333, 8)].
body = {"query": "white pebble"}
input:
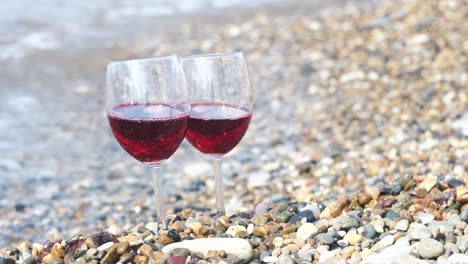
[(105, 246)]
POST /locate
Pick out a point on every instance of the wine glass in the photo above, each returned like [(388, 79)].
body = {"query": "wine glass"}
[(148, 109), (221, 107)]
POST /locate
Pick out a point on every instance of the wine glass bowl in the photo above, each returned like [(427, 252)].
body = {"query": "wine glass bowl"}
[(221, 106), (148, 109)]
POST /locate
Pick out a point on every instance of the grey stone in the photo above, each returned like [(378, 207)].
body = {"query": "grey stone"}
[(324, 238), (429, 248), (369, 231), (264, 254), (464, 216), (346, 222)]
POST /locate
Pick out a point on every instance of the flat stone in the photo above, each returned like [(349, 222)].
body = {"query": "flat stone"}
[(429, 248), (402, 225), (306, 230), (235, 246)]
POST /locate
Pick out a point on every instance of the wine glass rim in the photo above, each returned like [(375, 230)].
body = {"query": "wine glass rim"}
[(213, 54), (157, 58)]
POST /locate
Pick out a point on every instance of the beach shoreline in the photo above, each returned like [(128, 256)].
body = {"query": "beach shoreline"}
[(356, 110)]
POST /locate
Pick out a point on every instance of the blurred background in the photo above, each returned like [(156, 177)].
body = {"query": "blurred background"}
[(348, 93)]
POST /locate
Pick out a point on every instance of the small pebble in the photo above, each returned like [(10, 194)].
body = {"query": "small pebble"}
[(369, 231), (324, 238), (429, 248), (402, 225)]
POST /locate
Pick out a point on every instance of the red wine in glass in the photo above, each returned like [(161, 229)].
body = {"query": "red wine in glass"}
[(216, 128), (148, 132), (221, 107)]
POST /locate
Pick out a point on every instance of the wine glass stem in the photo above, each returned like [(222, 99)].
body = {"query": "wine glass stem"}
[(219, 186), (158, 195)]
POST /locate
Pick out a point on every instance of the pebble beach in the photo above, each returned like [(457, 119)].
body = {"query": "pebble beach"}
[(357, 150)]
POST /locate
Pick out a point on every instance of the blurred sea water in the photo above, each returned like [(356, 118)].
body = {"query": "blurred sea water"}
[(50, 24)]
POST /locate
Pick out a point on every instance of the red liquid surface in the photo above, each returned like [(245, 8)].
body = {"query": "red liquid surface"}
[(148, 132), (215, 128)]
